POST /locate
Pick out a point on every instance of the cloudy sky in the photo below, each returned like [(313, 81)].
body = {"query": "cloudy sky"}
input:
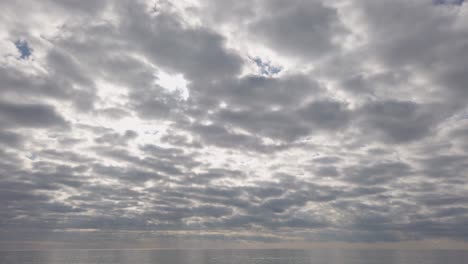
[(253, 121)]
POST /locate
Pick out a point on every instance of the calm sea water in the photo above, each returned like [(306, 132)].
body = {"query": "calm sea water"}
[(234, 257)]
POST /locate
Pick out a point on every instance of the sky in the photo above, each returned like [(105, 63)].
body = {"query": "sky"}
[(168, 123)]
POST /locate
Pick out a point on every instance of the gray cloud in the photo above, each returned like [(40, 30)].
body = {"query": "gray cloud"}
[(299, 28), (10, 139), (400, 121), (153, 118), (197, 52), (376, 173), (30, 115)]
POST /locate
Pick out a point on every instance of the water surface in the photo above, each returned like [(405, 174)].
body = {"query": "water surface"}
[(234, 257)]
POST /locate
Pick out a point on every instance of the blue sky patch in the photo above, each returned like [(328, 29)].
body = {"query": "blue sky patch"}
[(23, 48), (266, 68)]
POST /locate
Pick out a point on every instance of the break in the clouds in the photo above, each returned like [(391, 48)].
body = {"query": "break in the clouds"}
[(269, 121)]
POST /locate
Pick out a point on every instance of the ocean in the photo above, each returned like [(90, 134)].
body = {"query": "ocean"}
[(235, 257)]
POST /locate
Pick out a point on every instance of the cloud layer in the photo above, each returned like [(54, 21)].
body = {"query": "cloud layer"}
[(264, 121)]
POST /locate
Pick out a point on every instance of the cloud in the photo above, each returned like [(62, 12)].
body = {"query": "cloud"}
[(376, 173), (11, 139), (275, 121), (30, 115), (400, 121), (197, 52), (299, 28)]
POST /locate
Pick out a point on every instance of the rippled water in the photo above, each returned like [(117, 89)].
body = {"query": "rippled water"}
[(234, 257)]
